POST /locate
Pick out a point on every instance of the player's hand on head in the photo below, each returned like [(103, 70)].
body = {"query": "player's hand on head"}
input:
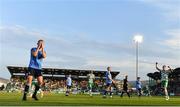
[(42, 45), (114, 81), (39, 45)]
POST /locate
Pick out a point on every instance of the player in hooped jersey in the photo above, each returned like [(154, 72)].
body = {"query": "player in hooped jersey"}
[(164, 78), (91, 78)]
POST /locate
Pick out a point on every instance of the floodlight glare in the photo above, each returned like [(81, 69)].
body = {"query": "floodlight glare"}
[(138, 38)]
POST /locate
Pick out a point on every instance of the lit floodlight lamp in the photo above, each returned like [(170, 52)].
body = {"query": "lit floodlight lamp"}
[(138, 38)]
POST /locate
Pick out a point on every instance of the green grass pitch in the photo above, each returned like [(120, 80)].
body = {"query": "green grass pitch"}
[(14, 99)]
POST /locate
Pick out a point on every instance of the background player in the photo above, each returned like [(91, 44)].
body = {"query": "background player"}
[(138, 86), (164, 78), (125, 87), (91, 78), (68, 85), (34, 70), (109, 82)]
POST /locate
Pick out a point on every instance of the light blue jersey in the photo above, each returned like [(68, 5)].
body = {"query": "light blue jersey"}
[(138, 85), (69, 81), (36, 62), (108, 77)]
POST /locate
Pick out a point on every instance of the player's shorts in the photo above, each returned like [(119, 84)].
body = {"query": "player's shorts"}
[(139, 89), (125, 88), (108, 84), (90, 84), (164, 83), (34, 72), (68, 87)]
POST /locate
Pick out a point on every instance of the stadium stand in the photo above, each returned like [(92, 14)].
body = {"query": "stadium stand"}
[(174, 82), (54, 79)]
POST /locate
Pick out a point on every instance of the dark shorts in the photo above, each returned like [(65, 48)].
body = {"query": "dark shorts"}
[(68, 87), (34, 72), (108, 84), (139, 89), (125, 88)]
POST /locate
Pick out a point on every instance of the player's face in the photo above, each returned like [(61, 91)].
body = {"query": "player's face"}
[(167, 68), (109, 68), (40, 43)]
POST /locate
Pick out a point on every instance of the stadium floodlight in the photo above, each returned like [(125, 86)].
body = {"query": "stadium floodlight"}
[(138, 39)]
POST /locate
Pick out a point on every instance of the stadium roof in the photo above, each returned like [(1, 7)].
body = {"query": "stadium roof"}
[(59, 73), (157, 75)]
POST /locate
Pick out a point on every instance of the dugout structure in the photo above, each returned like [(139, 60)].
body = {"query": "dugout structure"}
[(59, 74), (173, 85)]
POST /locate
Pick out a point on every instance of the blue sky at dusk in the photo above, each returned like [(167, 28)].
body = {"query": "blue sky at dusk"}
[(91, 34)]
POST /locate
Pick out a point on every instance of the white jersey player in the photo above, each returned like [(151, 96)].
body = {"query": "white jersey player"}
[(91, 78)]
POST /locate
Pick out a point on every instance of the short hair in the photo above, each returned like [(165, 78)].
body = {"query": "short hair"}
[(108, 67), (40, 40)]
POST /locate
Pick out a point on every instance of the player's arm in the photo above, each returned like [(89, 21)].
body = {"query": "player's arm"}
[(35, 52), (110, 78), (43, 52), (157, 67), (171, 70)]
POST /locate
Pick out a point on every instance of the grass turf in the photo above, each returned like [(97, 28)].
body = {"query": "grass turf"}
[(14, 99)]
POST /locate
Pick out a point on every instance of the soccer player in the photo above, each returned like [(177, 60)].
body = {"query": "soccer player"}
[(68, 85), (138, 86), (109, 82), (91, 78), (35, 68), (125, 87), (164, 78)]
